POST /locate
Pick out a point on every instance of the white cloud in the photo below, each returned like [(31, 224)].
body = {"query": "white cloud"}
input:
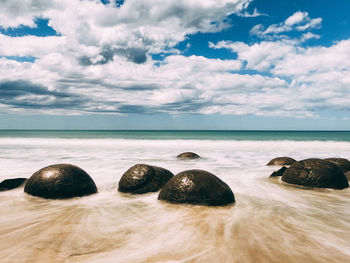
[(254, 14), (299, 21), (29, 45), (102, 62), (93, 33), (260, 56), (319, 77), (316, 60), (22, 12), (307, 36), (296, 18)]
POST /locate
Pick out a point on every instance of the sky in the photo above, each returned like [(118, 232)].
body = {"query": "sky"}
[(175, 64)]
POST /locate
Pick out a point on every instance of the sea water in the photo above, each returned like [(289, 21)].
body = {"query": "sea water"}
[(271, 221)]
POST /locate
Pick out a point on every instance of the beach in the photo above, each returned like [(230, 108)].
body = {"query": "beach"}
[(270, 221)]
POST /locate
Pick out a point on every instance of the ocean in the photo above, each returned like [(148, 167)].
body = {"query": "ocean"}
[(271, 221)]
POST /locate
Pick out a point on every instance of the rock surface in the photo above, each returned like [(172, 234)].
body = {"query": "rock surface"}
[(197, 187), (347, 174), (279, 172), (281, 161), (144, 178), (60, 181), (315, 173), (188, 155), (344, 164), (9, 184)]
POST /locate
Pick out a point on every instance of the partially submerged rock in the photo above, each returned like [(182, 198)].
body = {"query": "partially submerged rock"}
[(282, 161), (344, 164), (315, 173), (144, 178), (197, 187), (60, 181), (188, 155), (9, 184), (279, 172)]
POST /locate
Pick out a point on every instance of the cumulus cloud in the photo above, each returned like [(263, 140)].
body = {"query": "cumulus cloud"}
[(22, 12), (299, 21), (101, 62), (106, 50), (317, 78), (97, 32), (260, 56)]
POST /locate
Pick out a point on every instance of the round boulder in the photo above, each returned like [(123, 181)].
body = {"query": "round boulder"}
[(144, 178), (9, 184), (315, 173), (60, 181), (188, 155), (344, 164), (282, 161), (197, 187)]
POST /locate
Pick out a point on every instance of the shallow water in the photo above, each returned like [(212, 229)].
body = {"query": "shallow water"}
[(270, 222)]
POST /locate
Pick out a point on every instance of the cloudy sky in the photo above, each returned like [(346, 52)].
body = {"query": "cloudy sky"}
[(175, 64)]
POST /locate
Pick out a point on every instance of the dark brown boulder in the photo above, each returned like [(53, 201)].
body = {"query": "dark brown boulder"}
[(344, 164), (279, 172), (281, 161), (9, 184), (188, 155), (144, 178), (197, 187), (315, 173), (60, 181)]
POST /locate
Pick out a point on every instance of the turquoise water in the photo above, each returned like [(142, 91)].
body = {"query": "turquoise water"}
[(182, 135)]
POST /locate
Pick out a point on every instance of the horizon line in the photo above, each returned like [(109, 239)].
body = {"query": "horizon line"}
[(180, 130)]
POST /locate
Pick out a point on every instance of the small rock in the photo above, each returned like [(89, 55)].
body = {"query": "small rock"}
[(144, 178), (188, 155), (281, 161), (9, 184)]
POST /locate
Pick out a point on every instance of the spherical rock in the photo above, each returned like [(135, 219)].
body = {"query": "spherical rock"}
[(282, 161), (197, 187), (188, 155), (344, 164), (9, 184), (279, 172), (315, 173), (144, 178), (60, 181)]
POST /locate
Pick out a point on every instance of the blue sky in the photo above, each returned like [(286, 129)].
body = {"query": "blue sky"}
[(175, 64)]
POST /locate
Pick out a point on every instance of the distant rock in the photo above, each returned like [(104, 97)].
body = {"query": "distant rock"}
[(60, 181), (188, 155), (344, 164), (315, 173), (144, 178), (279, 172), (9, 184), (197, 187), (281, 161)]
